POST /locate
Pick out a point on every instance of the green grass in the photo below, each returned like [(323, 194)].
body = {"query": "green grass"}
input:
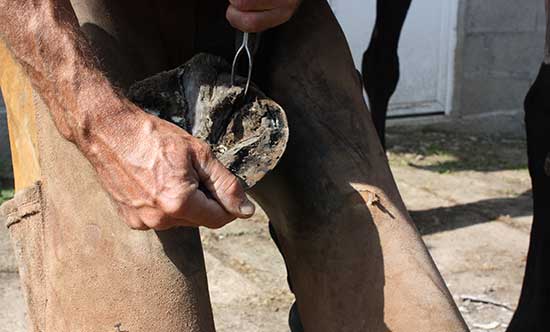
[(5, 194), (447, 152)]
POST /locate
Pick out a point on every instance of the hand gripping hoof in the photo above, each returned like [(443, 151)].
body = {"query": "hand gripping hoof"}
[(247, 131)]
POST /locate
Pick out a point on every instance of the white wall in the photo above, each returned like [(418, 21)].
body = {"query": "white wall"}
[(426, 50)]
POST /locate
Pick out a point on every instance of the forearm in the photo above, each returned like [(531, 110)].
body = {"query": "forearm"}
[(45, 37)]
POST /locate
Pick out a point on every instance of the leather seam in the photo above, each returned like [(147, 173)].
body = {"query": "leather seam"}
[(17, 217)]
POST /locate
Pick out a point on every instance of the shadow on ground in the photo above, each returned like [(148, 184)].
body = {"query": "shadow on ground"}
[(445, 152), (462, 215)]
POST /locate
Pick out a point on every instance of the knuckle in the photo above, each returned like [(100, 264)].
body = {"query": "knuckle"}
[(172, 206), (137, 225), (158, 223), (203, 152), (131, 219), (185, 149), (157, 217)]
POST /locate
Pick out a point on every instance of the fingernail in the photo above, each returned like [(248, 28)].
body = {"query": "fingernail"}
[(247, 208)]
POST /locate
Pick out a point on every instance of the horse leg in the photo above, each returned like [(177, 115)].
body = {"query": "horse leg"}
[(534, 303), (354, 257), (380, 67)]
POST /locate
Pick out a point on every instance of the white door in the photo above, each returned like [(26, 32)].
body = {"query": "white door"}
[(426, 51)]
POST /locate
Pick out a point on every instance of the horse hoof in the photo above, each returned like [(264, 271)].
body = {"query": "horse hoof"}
[(248, 134)]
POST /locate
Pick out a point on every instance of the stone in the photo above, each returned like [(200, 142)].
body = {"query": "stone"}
[(247, 133)]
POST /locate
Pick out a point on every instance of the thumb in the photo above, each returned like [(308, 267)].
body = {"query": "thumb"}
[(224, 186)]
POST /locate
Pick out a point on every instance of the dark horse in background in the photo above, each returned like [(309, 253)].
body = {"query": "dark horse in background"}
[(380, 71)]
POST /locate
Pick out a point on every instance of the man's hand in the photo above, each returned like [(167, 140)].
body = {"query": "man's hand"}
[(155, 171), (162, 177), (260, 15)]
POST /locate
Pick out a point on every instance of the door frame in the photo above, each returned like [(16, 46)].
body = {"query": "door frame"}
[(443, 105), (447, 60)]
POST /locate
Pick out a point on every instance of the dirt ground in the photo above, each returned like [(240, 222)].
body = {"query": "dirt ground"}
[(469, 195)]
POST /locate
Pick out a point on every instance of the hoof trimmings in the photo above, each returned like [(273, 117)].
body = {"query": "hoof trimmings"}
[(248, 135)]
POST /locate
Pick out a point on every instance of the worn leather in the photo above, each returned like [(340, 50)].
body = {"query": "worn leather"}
[(82, 269), (99, 272), (24, 219)]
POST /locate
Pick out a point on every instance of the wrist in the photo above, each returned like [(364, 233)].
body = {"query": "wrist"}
[(101, 112)]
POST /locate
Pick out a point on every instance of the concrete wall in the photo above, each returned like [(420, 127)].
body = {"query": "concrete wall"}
[(5, 159), (500, 48)]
